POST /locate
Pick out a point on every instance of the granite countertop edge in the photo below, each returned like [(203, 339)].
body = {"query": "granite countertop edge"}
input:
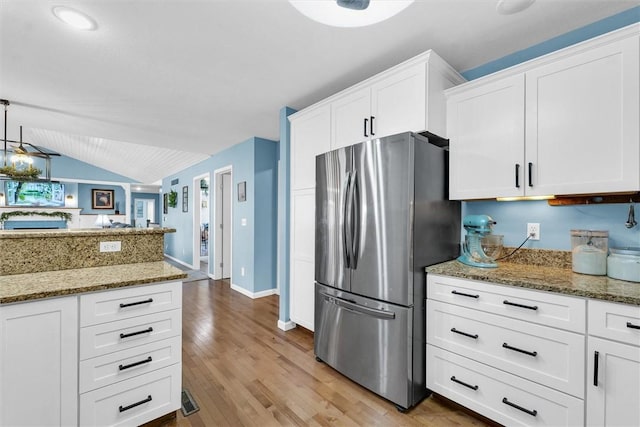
[(549, 279), (50, 284), (81, 232)]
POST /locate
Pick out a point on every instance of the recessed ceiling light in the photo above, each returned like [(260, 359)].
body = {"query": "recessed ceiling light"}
[(330, 13), (77, 20), (509, 7)]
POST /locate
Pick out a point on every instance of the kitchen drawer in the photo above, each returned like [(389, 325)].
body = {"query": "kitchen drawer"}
[(124, 303), (109, 337), (114, 367), (549, 356), (134, 401), (483, 389), (619, 322), (544, 308)]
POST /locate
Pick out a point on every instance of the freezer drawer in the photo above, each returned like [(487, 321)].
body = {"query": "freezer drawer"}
[(367, 341)]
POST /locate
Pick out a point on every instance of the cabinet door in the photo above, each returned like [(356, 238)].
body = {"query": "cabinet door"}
[(485, 126), (350, 118), (582, 122), (398, 102), (302, 257), (310, 136), (39, 363), (613, 390)]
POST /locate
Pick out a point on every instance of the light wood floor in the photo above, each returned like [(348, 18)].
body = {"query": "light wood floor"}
[(244, 371)]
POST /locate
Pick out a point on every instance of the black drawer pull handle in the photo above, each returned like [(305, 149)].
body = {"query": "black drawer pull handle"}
[(371, 126), (530, 174), (517, 175), (532, 413), (632, 326), (465, 295), (131, 365), (596, 359), (133, 405), (475, 337), (519, 350), (131, 304), (515, 304), (472, 387), (365, 127), (132, 334)]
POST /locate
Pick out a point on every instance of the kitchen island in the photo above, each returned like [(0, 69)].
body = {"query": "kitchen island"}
[(93, 345)]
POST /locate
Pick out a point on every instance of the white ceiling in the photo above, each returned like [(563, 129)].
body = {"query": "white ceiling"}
[(195, 77)]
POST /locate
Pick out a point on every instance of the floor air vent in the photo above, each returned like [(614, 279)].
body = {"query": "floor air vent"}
[(189, 406)]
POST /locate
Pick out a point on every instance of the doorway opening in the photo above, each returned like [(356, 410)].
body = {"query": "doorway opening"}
[(223, 222), (201, 217), (144, 212)]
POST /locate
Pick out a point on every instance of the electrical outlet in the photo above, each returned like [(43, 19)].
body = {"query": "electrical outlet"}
[(110, 246), (533, 230), (242, 271)]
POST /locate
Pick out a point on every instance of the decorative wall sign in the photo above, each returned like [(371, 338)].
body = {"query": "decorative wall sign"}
[(242, 191), (185, 199), (165, 203), (101, 199)]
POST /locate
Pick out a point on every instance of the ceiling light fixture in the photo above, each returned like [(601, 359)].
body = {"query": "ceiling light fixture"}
[(350, 13), (72, 17), (509, 7)]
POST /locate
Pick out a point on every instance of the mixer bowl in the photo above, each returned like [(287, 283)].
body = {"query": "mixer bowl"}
[(492, 245)]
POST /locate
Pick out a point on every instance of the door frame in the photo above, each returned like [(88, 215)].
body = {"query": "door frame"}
[(216, 196), (196, 221)]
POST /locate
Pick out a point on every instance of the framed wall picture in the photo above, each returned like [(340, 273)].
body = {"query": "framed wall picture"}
[(101, 199), (242, 191), (185, 199), (165, 203)]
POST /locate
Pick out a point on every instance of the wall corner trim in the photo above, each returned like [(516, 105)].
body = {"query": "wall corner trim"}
[(286, 326), (253, 295)]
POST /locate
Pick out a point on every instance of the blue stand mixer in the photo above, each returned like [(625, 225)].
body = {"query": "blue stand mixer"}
[(473, 250)]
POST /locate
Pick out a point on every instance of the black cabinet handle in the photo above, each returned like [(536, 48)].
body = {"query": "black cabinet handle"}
[(596, 359), (132, 334), (133, 405), (131, 365), (472, 387), (131, 304), (520, 408), (632, 326), (365, 127), (465, 295), (371, 126), (475, 337), (519, 350), (529, 307), (517, 175), (530, 174)]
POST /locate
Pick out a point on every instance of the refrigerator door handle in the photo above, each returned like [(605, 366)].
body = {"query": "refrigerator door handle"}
[(355, 222), (360, 309), (346, 224), (349, 221)]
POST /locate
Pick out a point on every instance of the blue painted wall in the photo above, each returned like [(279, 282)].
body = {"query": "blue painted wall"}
[(253, 160), (284, 211), (556, 221)]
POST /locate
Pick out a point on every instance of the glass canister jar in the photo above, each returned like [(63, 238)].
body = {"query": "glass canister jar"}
[(624, 264), (589, 250)]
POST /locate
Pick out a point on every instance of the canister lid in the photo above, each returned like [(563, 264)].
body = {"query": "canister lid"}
[(590, 233), (626, 251)]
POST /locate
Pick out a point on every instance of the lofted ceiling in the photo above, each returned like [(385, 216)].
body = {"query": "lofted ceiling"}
[(163, 84)]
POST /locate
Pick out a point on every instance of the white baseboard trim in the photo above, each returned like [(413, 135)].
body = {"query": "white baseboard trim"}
[(180, 262), (286, 326), (253, 295)]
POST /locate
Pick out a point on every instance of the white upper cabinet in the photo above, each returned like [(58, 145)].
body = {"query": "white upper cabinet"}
[(566, 123), (486, 124), (310, 136), (350, 118)]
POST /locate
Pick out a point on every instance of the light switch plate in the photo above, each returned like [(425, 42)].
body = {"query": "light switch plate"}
[(111, 246)]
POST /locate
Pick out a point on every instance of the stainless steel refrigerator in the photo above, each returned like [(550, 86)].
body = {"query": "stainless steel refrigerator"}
[(382, 216)]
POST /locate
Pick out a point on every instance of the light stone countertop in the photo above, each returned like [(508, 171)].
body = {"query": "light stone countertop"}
[(33, 286), (559, 279)]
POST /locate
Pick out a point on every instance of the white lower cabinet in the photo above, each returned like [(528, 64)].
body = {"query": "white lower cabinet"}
[(511, 354), (613, 368), (503, 397), (39, 363)]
